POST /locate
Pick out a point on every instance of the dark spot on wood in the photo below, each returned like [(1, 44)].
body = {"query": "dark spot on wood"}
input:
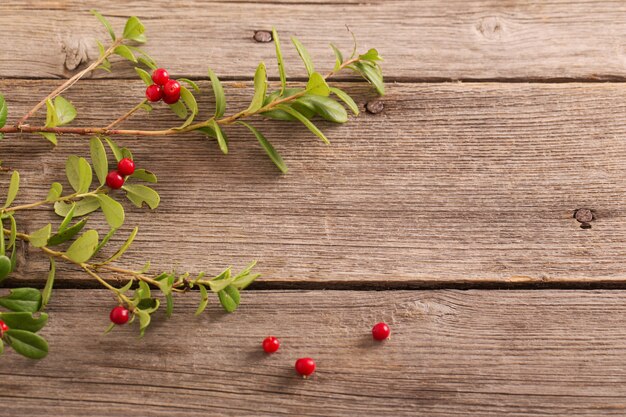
[(374, 106), (490, 27), (263, 36)]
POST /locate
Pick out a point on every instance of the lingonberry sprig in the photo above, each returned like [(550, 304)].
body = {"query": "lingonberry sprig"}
[(299, 104), (69, 242)]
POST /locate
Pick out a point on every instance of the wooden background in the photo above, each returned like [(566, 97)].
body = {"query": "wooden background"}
[(449, 214)]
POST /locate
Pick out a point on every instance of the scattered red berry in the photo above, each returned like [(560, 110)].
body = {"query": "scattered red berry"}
[(305, 366), (154, 92), (271, 344), (119, 315), (3, 328), (114, 180), (171, 92), (160, 76), (381, 331), (126, 167)]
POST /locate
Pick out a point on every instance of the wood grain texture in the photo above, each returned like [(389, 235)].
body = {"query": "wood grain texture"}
[(421, 40), (451, 183), (452, 353)]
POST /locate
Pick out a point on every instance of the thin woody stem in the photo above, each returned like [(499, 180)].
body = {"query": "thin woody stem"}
[(44, 202), (127, 115), (228, 120), (70, 82)]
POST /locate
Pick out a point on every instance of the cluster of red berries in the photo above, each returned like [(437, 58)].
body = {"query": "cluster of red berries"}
[(115, 179), (163, 88), (3, 328), (306, 366)]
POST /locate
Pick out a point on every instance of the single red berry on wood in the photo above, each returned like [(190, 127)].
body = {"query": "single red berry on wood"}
[(305, 366), (381, 331), (119, 315), (160, 76), (126, 167), (154, 92), (3, 328), (114, 180), (271, 344), (171, 92)]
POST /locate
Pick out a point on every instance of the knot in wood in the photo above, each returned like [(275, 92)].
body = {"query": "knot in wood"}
[(374, 106), (75, 51), (583, 215), (263, 36)]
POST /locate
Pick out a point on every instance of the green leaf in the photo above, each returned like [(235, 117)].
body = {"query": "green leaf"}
[(99, 159), (190, 83), (229, 298), (371, 55), (125, 52), (24, 321), (68, 217), (67, 234), (148, 62), (27, 344), (281, 64), (78, 173), (179, 109), (245, 278), (370, 74), (47, 290), (143, 291), (55, 192), (204, 300), (304, 55), (50, 137), (169, 307), (144, 175), (83, 206), (14, 187), (317, 85), (218, 91), (123, 248), (221, 139), (52, 119), (3, 111), (343, 96), (144, 321), (268, 148), (84, 247), (139, 194), (189, 99), (39, 238), (65, 111), (113, 211), (305, 122), (117, 152), (338, 56), (134, 30), (13, 234), (147, 79), (105, 240), (260, 88), (220, 282), (326, 107), (22, 299), (105, 22)]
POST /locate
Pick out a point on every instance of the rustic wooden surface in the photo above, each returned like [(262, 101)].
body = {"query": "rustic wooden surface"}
[(452, 353), (454, 185)]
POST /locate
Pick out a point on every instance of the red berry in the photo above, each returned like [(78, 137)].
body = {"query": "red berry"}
[(115, 180), (126, 167), (171, 92), (119, 315), (3, 328), (305, 366), (381, 331), (271, 344), (154, 92), (160, 76)]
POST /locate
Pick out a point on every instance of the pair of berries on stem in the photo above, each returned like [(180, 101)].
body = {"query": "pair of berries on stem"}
[(306, 366), (164, 87), (115, 179)]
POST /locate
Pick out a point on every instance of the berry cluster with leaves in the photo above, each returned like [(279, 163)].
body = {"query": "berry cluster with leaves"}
[(88, 249)]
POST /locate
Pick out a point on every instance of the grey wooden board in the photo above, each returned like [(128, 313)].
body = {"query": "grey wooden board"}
[(451, 183), (420, 40), (452, 353)]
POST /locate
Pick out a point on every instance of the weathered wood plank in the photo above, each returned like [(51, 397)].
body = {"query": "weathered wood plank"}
[(420, 39), (452, 183), (452, 353)]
